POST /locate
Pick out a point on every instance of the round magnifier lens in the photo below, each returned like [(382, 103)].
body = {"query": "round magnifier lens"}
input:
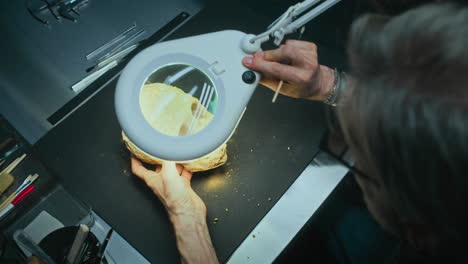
[(178, 99)]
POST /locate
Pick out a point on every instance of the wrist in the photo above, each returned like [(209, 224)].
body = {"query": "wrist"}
[(339, 86), (327, 82), (186, 226), (187, 216)]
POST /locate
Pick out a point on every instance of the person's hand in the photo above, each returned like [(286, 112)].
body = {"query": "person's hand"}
[(171, 183), (187, 212), (296, 63)]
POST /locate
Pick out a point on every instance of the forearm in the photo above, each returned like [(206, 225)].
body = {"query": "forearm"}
[(193, 239)]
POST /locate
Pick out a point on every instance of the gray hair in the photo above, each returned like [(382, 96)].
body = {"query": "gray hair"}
[(406, 120)]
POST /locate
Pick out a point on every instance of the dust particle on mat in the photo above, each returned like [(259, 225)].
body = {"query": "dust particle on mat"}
[(227, 210), (215, 220), (289, 148), (269, 199), (253, 236)]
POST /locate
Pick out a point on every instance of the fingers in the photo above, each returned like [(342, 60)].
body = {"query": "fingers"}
[(284, 54), (306, 45), (158, 169), (301, 55), (179, 168), (151, 178), (186, 174), (280, 71), (138, 169), (277, 55), (169, 169), (293, 51), (287, 89), (182, 171)]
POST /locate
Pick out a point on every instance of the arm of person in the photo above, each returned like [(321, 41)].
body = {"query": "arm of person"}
[(296, 63), (193, 240), (187, 212)]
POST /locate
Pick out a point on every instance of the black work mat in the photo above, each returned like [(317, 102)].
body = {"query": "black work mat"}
[(272, 145)]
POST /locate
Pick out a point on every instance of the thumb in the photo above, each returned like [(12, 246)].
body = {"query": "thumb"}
[(168, 169)]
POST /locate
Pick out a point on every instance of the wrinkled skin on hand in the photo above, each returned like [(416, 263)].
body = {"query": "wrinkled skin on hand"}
[(296, 63), (171, 184)]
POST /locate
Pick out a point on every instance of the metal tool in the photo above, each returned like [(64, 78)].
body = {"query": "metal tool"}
[(68, 9), (117, 56), (202, 106), (102, 249), (288, 22), (211, 61), (110, 43), (7, 147), (123, 44)]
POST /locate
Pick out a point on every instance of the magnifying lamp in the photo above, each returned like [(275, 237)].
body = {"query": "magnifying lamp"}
[(180, 100)]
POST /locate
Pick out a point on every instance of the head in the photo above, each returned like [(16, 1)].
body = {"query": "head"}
[(406, 121)]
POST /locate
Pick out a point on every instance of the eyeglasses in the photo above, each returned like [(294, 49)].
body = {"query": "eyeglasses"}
[(347, 162)]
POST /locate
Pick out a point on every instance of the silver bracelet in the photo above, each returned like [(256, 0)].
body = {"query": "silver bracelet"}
[(333, 95), (339, 86)]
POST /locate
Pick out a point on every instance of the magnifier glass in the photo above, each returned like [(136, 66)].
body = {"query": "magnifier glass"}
[(181, 100)]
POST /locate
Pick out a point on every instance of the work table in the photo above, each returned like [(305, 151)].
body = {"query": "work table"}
[(270, 148)]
